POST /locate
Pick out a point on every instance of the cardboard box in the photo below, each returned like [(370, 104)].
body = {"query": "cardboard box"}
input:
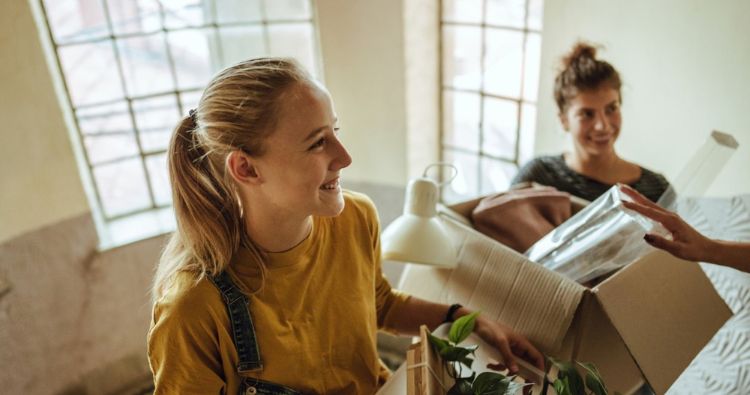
[(425, 372), (648, 320)]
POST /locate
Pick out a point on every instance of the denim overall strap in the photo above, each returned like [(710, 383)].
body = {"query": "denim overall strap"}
[(243, 331)]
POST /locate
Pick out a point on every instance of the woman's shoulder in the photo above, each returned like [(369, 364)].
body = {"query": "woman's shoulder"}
[(190, 299), (540, 169), (545, 162), (652, 176), (359, 203)]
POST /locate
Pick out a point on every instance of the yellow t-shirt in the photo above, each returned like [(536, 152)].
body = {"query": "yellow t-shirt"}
[(315, 319)]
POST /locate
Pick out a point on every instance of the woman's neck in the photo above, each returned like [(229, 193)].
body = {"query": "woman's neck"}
[(274, 231), (605, 168)]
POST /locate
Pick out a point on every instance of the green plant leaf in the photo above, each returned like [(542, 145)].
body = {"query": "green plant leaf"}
[(560, 387), (466, 361), (514, 387), (438, 343), (461, 387), (462, 328), (491, 383), (569, 374), (594, 380), (453, 353)]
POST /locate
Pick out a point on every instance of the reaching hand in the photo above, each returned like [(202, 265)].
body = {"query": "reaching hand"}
[(687, 242), (509, 343)]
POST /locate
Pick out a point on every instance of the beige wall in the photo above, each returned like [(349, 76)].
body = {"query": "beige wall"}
[(38, 176), (363, 63), (685, 67)]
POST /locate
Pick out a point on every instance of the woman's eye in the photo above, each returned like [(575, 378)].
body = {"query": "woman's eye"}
[(318, 143)]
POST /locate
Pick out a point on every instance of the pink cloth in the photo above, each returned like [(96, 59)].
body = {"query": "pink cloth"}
[(520, 217)]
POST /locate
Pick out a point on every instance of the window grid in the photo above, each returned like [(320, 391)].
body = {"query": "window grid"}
[(137, 131), (480, 153)]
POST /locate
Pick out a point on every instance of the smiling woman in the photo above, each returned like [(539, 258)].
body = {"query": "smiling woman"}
[(587, 92), (273, 265)]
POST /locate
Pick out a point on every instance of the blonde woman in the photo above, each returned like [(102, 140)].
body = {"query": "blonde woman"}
[(272, 281)]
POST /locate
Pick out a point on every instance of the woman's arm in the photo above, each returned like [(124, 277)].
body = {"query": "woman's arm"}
[(408, 316), (687, 243)]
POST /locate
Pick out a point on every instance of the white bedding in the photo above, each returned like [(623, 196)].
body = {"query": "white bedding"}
[(723, 367)]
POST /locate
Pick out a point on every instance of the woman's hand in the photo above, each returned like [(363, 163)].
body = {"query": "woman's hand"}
[(687, 243), (509, 343)]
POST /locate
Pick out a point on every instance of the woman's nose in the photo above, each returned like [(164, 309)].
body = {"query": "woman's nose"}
[(601, 123), (341, 157)]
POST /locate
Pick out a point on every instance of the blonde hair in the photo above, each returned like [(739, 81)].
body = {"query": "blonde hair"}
[(237, 111)]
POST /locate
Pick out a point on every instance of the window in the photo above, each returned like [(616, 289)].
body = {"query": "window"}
[(490, 76), (131, 69)]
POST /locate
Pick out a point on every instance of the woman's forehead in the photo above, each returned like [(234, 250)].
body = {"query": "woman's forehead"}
[(601, 96)]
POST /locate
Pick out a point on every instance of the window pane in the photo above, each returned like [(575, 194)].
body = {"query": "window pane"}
[(531, 67), (510, 13), (496, 175), (503, 63), (189, 101), (107, 132), (499, 127), (184, 13), (122, 187), (159, 177), (536, 14), (191, 51), (241, 43), (134, 16), (528, 131), (294, 40), (231, 11), (91, 73), (462, 11), (287, 9), (464, 186), (73, 20), (462, 52), (145, 65), (155, 119), (461, 120)]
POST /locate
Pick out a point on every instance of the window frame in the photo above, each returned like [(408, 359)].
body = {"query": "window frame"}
[(520, 101), (156, 218)]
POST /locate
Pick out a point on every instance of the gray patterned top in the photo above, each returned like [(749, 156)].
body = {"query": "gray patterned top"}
[(552, 171)]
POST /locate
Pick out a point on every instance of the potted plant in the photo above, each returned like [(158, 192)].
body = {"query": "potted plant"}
[(457, 361)]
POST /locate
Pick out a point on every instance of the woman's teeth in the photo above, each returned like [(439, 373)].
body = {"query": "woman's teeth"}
[(331, 185)]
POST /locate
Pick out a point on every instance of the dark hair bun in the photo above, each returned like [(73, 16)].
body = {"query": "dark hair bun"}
[(581, 52), (581, 71)]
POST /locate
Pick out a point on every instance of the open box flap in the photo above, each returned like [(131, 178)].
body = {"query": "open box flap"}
[(597, 340), (506, 286), (666, 310)]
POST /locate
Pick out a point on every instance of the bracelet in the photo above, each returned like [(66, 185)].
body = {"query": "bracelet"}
[(452, 310)]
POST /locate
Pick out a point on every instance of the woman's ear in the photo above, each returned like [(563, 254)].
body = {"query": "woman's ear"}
[(242, 168)]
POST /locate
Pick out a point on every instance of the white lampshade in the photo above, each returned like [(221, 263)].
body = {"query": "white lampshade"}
[(418, 236)]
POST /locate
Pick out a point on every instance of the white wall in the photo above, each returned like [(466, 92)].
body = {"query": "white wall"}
[(38, 177), (363, 63), (685, 69)]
